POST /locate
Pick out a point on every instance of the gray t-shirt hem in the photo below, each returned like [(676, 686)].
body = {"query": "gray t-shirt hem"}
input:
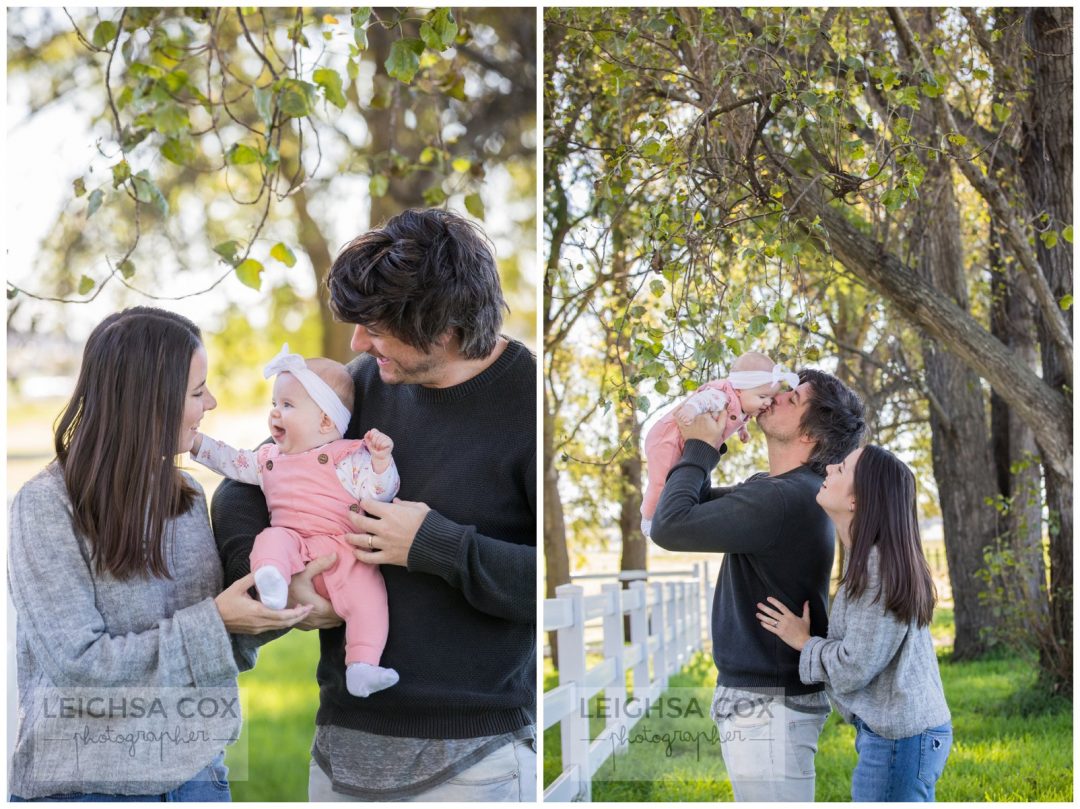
[(384, 783)]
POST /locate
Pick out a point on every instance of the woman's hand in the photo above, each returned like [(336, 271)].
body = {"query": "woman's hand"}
[(243, 615), (786, 625)]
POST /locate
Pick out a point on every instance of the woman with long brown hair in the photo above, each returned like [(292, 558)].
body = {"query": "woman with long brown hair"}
[(878, 662), (128, 649)]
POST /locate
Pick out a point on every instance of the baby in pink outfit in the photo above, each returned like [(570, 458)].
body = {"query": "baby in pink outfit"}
[(313, 479), (747, 390)]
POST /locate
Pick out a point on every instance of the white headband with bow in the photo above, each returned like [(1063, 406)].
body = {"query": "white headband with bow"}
[(743, 380), (321, 393)]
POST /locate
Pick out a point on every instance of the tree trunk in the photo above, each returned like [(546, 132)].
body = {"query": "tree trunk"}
[(556, 557), (1040, 406), (335, 335), (628, 487), (1016, 456), (1047, 169), (959, 435)]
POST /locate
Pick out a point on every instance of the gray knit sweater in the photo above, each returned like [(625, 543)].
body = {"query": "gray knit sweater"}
[(876, 668), (115, 678)]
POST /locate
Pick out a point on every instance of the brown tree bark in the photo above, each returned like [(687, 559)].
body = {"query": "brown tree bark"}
[(1046, 167), (1015, 453), (960, 444)]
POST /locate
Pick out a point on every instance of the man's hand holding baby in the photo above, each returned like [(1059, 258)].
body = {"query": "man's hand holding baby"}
[(708, 427), (385, 532)]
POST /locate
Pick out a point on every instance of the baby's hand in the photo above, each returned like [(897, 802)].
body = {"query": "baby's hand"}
[(380, 445)]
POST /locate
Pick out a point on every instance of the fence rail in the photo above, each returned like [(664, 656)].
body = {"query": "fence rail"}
[(667, 624)]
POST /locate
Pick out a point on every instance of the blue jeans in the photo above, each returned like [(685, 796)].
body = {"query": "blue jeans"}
[(899, 769), (210, 784)]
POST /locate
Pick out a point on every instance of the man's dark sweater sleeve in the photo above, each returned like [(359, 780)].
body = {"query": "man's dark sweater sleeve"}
[(496, 577), (238, 513), (744, 519)]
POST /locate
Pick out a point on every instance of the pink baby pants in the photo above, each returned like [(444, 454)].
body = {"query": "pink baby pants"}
[(664, 443), (309, 513)]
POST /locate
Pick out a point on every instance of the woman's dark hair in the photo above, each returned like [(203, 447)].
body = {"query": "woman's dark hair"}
[(834, 419), (885, 518), (422, 273), (117, 438)]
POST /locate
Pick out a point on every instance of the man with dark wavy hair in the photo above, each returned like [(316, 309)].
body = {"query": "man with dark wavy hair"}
[(777, 542), (457, 550)]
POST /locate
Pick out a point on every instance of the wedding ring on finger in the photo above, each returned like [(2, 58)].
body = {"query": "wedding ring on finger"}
[(370, 547), (775, 622)]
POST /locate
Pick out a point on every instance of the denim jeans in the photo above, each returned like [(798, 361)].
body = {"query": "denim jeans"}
[(210, 784), (769, 752), (506, 774), (899, 769)]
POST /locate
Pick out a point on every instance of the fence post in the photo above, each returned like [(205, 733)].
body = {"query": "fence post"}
[(639, 635), (658, 629), (575, 728), (614, 649)]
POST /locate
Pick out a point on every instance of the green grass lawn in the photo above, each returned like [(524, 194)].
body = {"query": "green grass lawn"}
[(280, 697), (1012, 742)]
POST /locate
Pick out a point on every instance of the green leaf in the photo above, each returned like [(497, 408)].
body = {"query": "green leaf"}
[(282, 253), (980, 74), (757, 325), (264, 104), (1066, 302), (734, 345), (241, 155), (121, 172), (127, 268), (96, 197), (11, 293), (249, 271), (435, 196), (657, 287), (1049, 238), (1066, 234), (430, 37), (957, 140), (271, 158), (444, 27), (179, 150), (1001, 112), (813, 354), (650, 148), (79, 186), (227, 250), (475, 205), (86, 283), (352, 68), (146, 191), (378, 185), (428, 155), (359, 22), (404, 59), (330, 82), (297, 99), (104, 34)]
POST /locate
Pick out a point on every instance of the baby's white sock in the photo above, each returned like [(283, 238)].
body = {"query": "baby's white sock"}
[(272, 586), (646, 527), (364, 679)]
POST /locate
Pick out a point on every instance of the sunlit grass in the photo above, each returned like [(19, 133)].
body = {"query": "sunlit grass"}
[(1013, 742), (280, 700)]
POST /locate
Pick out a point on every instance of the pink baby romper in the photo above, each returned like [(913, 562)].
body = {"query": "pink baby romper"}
[(664, 443), (309, 513)]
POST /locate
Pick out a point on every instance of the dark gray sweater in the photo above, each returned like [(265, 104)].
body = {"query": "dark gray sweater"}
[(776, 541)]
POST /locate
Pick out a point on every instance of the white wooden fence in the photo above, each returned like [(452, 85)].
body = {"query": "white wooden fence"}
[(667, 621)]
